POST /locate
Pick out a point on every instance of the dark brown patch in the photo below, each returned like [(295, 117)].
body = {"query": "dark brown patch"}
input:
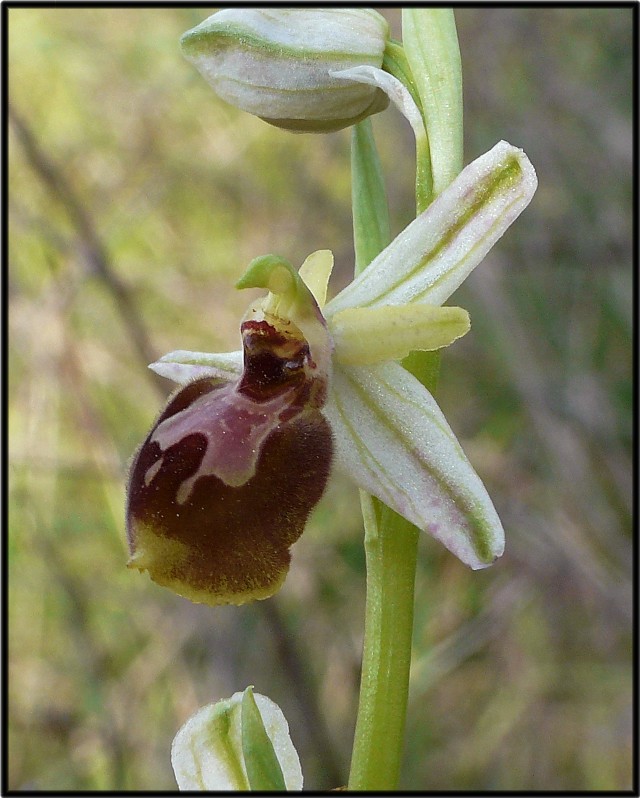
[(236, 539), (272, 360)]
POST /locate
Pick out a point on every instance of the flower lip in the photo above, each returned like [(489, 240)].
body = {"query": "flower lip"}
[(223, 486), (228, 475)]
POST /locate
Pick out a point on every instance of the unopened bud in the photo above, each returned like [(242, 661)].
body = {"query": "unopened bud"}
[(278, 64), (241, 743)]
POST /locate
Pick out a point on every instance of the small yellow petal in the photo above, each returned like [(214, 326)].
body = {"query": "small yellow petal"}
[(315, 272), (363, 336)]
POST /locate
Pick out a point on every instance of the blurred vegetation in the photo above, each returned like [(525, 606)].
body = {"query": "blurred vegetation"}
[(136, 198)]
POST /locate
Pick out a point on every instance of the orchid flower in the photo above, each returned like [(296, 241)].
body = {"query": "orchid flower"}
[(230, 471)]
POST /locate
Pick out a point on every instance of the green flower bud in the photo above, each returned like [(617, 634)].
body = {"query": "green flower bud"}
[(241, 743), (279, 64)]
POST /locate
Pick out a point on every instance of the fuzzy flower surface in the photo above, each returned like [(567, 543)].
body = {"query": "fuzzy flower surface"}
[(230, 471)]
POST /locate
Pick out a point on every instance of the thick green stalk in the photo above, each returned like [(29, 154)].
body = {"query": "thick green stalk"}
[(430, 67), (431, 56), (390, 545)]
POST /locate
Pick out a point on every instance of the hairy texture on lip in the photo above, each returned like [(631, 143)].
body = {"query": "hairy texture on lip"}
[(226, 479), (226, 544)]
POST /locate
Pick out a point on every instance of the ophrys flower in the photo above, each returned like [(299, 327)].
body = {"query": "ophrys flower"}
[(225, 481)]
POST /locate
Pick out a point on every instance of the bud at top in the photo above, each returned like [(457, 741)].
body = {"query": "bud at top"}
[(278, 63)]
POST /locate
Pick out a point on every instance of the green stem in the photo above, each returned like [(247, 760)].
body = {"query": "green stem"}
[(432, 53), (391, 545), (429, 65), (371, 230)]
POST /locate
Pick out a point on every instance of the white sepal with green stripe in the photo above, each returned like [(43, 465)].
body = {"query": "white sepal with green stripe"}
[(431, 257), (183, 366), (392, 439)]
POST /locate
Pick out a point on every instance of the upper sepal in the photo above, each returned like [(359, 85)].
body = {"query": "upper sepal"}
[(436, 252)]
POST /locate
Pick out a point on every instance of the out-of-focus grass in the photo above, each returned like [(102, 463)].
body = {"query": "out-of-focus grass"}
[(522, 673)]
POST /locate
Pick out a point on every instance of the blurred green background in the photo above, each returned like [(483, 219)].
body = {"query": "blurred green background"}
[(136, 199)]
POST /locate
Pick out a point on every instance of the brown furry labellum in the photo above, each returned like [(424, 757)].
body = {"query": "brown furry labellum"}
[(225, 481)]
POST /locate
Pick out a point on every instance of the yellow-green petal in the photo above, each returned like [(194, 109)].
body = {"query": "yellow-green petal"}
[(315, 272), (363, 336)]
